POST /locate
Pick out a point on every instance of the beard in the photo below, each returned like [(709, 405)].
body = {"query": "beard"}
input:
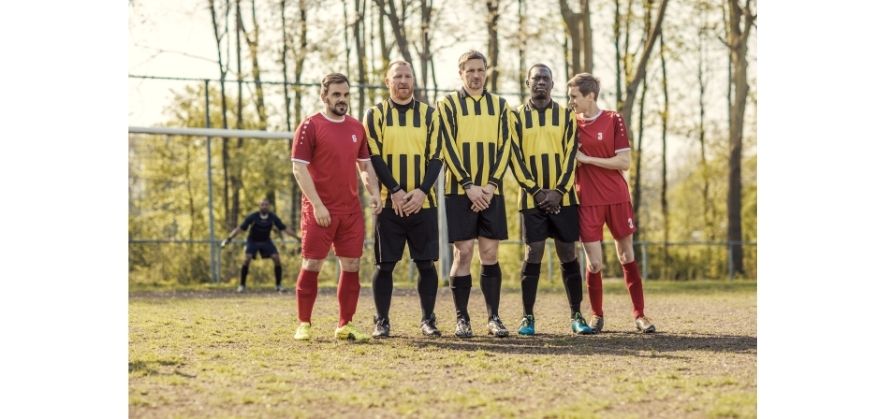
[(340, 109), (540, 95)]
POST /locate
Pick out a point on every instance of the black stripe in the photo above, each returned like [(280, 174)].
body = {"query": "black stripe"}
[(525, 198), (416, 160), (480, 163), (416, 115), (389, 117), (534, 163), (389, 201), (555, 114), (528, 117), (558, 169), (463, 105), (477, 109), (370, 122), (545, 170), (401, 113), (492, 148), (542, 117), (491, 105), (403, 171), (465, 155), (450, 113)]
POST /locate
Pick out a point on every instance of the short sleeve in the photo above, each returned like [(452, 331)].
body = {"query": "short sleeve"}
[(278, 222), (363, 154), (303, 142), (247, 222), (621, 141)]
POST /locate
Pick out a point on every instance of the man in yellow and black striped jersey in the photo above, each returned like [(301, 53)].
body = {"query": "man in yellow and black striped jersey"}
[(405, 149), (543, 161), (477, 128)]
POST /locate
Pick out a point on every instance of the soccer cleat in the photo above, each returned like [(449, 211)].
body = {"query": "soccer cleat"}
[(382, 328), (527, 327), (303, 332), (241, 288), (463, 329), (496, 327), (351, 333), (579, 325), (596, 323), (280, 289), (644, 325), (428, 327)]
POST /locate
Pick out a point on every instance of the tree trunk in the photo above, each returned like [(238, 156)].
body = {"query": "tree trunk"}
[(665, 116), (397, 25), (295, 216), (256, 69), (633, 83), (637, 180), (359, 34), (587, 37), (573, 27), (425, 54), (235, 175), (521, 29), (287, 101), (617, 36), (709, 230), (737, 43), (492, 29), (225, 152)]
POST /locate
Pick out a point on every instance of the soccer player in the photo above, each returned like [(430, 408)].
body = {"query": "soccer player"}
[(405, 148), (605, 198), (543, 161), (260, 223), (326, 147), (477, 139)]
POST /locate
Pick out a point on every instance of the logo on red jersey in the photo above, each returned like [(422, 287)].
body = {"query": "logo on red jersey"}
[(353, 136), (630, 222), (599, 136)]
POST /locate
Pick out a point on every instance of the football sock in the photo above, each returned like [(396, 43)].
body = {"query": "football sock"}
[(571, 279), (529, 283), (306, 293), (278, 274), (348, 296), (382, 288), (634, 285), (594, 291), (461, 295), (428, 283), (490, 283), (244, 270)]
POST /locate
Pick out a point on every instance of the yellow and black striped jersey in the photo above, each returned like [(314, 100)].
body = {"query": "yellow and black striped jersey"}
[(406, 137), (544, 148), (477, 139)]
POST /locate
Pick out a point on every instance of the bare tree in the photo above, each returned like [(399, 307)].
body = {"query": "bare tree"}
[(284, 57), (397, 25), (222, 70), (424, 53), (256, 68), (521, 29), (739, 25), (581, 36), (665, 116), (359, 35), (633, 80), (492, 6)]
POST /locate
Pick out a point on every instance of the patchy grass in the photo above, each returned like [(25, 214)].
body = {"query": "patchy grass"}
[(212, 353)]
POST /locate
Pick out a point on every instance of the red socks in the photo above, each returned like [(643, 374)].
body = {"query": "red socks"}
[(348, 295), (634, 286), (594, 291), (306, 288)]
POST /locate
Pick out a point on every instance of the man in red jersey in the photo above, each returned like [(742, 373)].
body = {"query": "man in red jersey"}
[(326, 147), (604, 196)]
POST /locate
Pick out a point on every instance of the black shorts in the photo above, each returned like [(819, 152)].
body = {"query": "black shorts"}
[(420, 231), (265, 249), (538, 225), (464, 224)]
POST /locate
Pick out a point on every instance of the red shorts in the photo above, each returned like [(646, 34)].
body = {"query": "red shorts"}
[(619, 218), (345, 234)]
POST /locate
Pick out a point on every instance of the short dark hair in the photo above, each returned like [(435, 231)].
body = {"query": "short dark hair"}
[(536, 66), (586, 83), (332, 78), (472, 55)]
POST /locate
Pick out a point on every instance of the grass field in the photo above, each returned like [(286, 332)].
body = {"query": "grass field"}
[(213, 353)]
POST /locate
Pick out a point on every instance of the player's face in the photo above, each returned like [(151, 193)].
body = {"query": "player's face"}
[(474, 74), (540, 83), (578, 102), (264, 207), (400, 82), (337, 98)]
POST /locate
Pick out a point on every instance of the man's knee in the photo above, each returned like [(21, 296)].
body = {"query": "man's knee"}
[(534, 252), (386, 266), (350, 264), (313, 265), (566, 251), (595, 265)]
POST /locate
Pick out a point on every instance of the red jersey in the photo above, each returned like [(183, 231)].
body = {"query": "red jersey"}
[(602, 137), (331, 149)]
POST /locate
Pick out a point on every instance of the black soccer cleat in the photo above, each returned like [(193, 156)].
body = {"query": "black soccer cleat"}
[(496, 327), (428, 327), (382, 328), (463, 329)]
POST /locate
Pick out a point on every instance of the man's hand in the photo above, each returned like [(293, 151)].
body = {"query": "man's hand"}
[(321, 215), (582, 158), (552, 199), (224, 243), (398, 199), (414, 201), (539, 197), (375, 203), (478, 198)]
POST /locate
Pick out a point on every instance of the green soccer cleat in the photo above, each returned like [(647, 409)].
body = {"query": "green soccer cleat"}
[(351, 333), (527, 326), (303, 332), (579, 325)]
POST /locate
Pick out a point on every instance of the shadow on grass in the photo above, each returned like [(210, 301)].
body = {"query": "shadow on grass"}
[(608, 343)]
